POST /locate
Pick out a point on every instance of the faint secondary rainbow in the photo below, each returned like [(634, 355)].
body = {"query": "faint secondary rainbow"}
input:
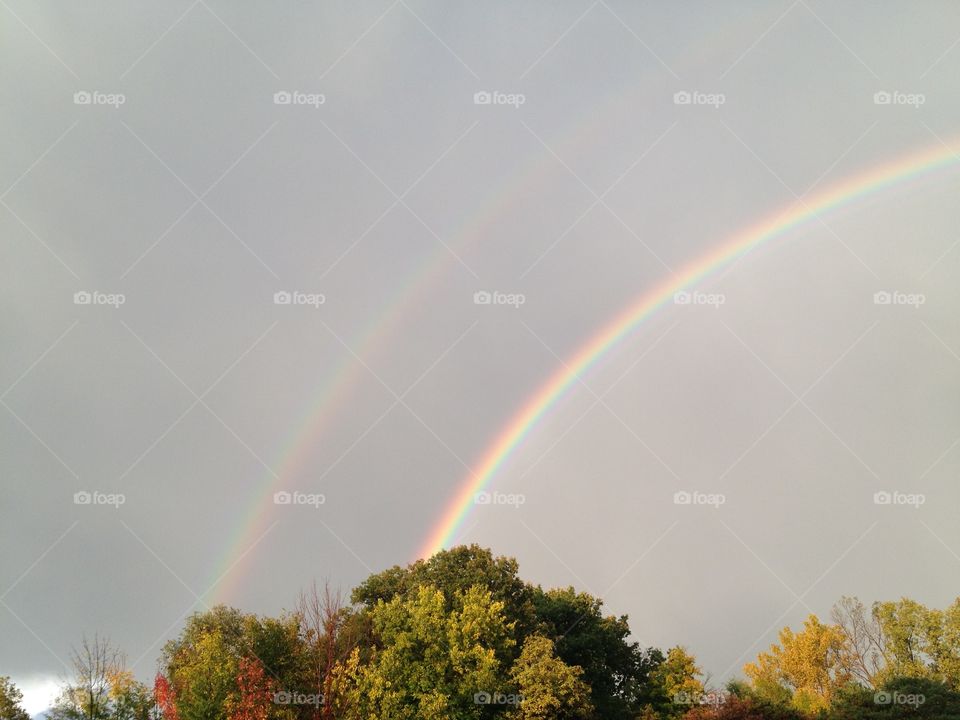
[(776, 225), (329, 397), (323, 403)]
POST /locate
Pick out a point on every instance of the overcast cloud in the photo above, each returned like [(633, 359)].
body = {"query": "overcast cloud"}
[(190, 189)]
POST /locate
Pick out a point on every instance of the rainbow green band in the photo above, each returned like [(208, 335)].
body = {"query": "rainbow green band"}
[(324, 403), (785, 220)]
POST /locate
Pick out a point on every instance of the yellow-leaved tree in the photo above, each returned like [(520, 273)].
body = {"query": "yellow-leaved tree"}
[(804, 669), (678, 677)]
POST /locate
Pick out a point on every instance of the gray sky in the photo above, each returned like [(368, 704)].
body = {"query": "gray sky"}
[(184, 187)]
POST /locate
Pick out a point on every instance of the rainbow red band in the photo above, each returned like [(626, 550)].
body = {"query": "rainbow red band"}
[(785, 220)]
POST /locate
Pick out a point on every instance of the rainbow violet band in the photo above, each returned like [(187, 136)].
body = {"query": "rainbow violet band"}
[(794, 215)]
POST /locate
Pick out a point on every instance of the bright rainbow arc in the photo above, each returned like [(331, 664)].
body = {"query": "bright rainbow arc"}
[(323, 404), (329, 398), (785, 220)]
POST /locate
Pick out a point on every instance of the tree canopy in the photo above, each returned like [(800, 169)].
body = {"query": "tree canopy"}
[(461, 636), (11, 699)]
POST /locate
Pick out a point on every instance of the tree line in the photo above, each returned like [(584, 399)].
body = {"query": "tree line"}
[(461, 636)]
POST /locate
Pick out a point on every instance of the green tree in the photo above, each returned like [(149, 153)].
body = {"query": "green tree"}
[(678, 678), (776, 696), (203, 674), (944, 644), (897, 699), (453, 572), (906, 629), (203, 663), (430, 662), (275, 642), (129, 698), (11, 700), (616, 669), (549, 689), (901, 638)]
